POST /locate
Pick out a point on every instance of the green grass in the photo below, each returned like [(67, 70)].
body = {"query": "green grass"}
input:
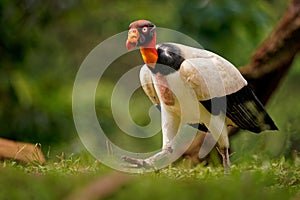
[(62, 176)]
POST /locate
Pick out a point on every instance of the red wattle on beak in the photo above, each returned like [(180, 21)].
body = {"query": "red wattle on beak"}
[(132, 40), (130, 45)]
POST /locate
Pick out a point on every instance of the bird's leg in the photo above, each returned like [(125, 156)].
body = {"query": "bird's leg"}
[(170, 126), (223, 144), (224, 151), (218, 129)]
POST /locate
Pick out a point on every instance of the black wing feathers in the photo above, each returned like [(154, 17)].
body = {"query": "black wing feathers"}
[(244, 109)]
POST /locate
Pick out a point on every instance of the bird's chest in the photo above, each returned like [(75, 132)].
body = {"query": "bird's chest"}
[(176, 96), (163, 89)]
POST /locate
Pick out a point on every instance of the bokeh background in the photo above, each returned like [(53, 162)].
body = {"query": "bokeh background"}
[(43, 43)]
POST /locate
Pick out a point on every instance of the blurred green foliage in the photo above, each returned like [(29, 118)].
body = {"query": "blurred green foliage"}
[(42, 44)]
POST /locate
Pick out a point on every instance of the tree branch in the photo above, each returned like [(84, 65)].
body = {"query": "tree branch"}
[(272, 60), (24, 152)]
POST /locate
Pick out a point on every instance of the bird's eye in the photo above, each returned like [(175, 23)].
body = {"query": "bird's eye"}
[(145, 29)]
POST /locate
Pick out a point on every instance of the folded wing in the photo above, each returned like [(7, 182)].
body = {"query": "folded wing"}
[(220, 87)]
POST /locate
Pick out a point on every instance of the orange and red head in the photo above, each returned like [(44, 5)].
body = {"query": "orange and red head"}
[(141, 33)]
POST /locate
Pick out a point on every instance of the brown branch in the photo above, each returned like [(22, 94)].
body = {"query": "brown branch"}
[(274, 57), (24, 152), (272, 60)]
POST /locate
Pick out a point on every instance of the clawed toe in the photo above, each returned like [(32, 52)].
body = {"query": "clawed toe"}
[(136, 162)]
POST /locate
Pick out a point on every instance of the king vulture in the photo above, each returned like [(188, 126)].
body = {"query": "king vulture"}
[(173, 71)]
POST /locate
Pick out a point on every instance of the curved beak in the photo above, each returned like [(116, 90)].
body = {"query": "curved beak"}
[(132, 40)]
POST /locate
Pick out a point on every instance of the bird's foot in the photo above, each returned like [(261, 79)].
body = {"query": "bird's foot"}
[(138, 163), (149, 162)]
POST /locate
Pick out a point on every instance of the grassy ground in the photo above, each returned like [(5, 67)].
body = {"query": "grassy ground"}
[(60, 178)]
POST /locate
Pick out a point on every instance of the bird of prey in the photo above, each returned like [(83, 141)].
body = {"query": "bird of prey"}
[(175, 73)]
